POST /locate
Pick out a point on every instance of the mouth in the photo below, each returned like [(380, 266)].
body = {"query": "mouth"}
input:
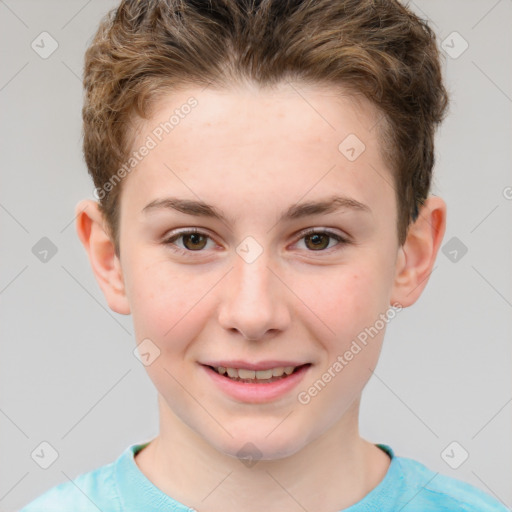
[(256, 383), (248, 376)]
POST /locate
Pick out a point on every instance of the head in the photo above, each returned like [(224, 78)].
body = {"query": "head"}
[(251, 127)]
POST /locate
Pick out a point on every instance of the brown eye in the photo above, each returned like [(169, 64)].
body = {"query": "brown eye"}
[(188, 241), (317, 240), (193, 241)]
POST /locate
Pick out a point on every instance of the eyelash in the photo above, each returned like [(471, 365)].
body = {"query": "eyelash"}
[(312, 231)]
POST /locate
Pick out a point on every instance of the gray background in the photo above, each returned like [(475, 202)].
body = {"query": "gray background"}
[(68, 374)]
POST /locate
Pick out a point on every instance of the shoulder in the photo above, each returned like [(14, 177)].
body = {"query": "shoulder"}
[(88, 492), (430, 491)]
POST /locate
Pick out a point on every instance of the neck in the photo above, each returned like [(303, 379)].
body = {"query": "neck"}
[(329, 473)]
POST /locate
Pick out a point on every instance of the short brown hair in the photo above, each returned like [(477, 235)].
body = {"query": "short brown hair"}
[(375, 48)]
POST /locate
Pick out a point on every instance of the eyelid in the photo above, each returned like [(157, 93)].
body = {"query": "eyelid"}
[(342, 240), (327, 231)]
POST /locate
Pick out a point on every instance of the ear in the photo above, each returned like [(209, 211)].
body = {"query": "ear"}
[(90, 226), (418, 254)]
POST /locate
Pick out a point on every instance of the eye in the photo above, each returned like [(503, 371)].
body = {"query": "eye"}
[(193, 241), (318, 239)]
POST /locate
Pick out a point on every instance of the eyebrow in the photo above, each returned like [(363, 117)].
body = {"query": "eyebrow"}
[(296, 211)]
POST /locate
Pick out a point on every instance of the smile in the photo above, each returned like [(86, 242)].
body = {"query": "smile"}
[(254, 376), (256, 385)]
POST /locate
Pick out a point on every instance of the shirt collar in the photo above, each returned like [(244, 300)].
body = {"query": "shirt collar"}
[(137, 492)]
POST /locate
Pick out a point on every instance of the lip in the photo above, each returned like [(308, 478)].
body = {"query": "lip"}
[(258, 392), (262, 365)]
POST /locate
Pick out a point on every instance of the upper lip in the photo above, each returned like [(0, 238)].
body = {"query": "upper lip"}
[(246, 365)]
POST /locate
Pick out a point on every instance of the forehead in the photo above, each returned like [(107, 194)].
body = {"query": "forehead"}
[(294, 111), (284, 142)]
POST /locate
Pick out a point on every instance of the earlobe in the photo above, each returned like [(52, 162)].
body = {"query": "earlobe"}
[(90, 226), (417, 256)]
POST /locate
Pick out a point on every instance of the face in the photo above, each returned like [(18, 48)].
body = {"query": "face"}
[(253, 287)]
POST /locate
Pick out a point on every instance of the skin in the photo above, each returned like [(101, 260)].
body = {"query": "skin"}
[(253, 153)]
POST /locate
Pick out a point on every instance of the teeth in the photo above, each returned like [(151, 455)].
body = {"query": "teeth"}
[(246, 374), (242, 373), (232, 372), (262, 374), (277, 372)]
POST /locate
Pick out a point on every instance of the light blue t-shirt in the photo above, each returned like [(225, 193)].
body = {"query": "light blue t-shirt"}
[(120, 486)]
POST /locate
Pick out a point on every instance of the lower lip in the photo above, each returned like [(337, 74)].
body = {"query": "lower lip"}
[(257, 393)]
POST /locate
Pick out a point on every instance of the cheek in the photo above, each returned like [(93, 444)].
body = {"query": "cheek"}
[(345, 299), (349, 304), (165, 302)]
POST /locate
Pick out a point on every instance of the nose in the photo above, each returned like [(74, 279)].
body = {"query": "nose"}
[(254, 302)]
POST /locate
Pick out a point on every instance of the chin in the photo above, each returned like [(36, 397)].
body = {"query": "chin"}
[(261, 445)]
